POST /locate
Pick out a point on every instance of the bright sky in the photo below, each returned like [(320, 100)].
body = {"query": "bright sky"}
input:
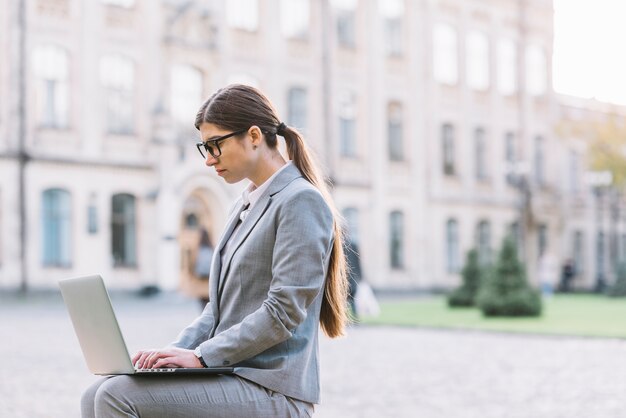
[(589, 51)]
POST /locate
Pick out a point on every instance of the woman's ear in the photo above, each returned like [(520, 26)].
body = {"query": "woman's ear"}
[(256, 135)]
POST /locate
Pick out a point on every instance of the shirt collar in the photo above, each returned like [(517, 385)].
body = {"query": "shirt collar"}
[(252, 194)]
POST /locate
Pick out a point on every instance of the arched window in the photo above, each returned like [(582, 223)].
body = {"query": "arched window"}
[(242, 14), (507, 66), (394, 132), (477, 66), (117, 74), (56, 227), (123, 230), (295, 18), (392, 12), (51, 67), (445, 54), (297, 108), (186, 93), (345, 11), (452, 246), (396, 239), (483, 242)]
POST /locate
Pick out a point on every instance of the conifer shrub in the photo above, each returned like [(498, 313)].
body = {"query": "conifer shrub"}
[(505, 290), (465, 295), (618, 289)]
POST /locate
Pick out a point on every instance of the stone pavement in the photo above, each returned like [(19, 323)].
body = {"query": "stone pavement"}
[(373, 372)]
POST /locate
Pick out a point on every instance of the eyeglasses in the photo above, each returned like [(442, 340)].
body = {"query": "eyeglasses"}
[(213, 146)]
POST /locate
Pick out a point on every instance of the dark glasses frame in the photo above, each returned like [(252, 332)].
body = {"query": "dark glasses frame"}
[(213, 147)]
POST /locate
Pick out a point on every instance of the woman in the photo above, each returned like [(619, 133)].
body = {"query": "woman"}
[(278, 271)]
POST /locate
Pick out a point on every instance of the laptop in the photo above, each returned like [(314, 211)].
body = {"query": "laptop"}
[(99, 334)]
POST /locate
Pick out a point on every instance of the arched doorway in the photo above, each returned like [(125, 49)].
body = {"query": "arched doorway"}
[(196, 217)]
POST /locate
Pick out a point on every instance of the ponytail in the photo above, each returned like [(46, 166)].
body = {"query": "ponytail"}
[(334, 313)]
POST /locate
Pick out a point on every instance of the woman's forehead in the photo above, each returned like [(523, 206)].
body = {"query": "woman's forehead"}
[(208, 130)]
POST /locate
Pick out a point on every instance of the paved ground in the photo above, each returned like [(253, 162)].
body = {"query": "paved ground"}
[(374, 372)]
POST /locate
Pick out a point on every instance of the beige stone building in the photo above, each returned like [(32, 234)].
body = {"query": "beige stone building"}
[(434, 119)]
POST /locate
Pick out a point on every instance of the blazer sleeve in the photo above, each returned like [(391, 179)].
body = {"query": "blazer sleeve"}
[(303, 239), (197, 331)]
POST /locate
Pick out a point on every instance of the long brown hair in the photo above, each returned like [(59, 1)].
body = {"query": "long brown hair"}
[(238, 107)]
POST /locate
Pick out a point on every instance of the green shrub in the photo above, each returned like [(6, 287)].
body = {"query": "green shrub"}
[(505, 291), (618, 289), (465, 295)]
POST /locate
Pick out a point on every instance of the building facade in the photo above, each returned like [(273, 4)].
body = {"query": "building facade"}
[(434, 120)]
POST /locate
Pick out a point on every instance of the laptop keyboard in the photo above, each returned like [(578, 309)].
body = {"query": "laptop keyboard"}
[(169, 370)]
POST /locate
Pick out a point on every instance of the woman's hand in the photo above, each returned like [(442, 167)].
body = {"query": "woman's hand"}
[(165, 357)]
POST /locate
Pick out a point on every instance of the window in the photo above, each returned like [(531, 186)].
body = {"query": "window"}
[(445, 54), (346, 22), (447, 141), (481, 157), (453, 261), (123, 230), (92, 215), (477, 60), (351, 216), (507, 67), (297, 108), (509, 156), (243, 14), (56, 228), (396, 242), (536, 70), (392, 12), (294, 18), (539, 161), (347, 125), (578, 252), (483, 242), (186, 93), (120, 3), (542, 239), (394, 132), (117, 74), (50, 65)]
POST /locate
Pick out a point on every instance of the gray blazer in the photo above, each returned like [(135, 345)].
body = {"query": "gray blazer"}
[(263, 317)]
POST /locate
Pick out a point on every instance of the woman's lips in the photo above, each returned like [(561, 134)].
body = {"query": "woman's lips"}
[(220, 171)]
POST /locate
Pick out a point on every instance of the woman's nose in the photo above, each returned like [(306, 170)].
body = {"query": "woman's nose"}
[(210, 160)]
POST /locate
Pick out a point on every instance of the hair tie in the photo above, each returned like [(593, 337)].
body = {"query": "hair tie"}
[(280, 129)]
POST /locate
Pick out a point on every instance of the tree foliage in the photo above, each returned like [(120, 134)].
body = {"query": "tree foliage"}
[(465, 295), (505, 291)]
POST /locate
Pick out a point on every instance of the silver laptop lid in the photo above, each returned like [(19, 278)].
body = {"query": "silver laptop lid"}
[(95, 324)]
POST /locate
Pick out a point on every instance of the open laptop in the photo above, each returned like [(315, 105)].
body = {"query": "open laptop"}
[(99, 334)]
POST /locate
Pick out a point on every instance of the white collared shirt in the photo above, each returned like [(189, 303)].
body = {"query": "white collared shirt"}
[(250, 196)]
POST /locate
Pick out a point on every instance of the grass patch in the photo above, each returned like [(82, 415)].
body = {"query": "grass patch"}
[(577, 315)]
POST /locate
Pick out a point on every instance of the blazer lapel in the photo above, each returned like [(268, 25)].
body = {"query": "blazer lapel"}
[(216, 265), (242, 233)]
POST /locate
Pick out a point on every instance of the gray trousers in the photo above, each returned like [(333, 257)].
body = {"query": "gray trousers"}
[(227, 396)]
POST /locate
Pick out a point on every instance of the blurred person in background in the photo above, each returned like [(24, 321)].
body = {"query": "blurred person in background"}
[(202, 267)]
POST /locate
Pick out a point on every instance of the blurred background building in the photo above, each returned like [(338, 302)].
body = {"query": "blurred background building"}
[(435, 120)]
